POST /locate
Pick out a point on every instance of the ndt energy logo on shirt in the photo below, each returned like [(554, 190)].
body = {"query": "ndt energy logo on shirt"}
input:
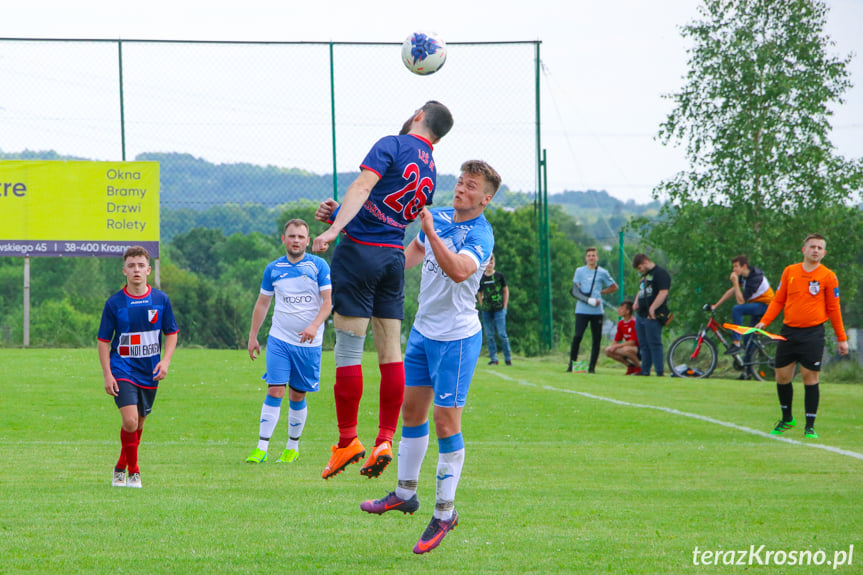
[(141, 344)]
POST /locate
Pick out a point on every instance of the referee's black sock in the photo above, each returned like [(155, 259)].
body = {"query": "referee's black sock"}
[(786, 396), (813, 394)]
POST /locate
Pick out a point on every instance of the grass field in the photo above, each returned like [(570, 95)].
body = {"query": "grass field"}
[(564, 473)]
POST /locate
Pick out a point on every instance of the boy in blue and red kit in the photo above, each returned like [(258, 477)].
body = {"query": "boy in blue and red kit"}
[(397, 179), (130, 346)]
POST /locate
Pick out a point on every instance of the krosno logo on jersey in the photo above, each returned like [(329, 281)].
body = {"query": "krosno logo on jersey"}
[(142, 344), (297, 299), (433, 267)]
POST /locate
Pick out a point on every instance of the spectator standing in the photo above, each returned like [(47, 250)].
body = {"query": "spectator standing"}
[(493, 297), (651, 307), (590, 282)]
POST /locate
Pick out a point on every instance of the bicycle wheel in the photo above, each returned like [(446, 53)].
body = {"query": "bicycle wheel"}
[(686, 359), (763, 365)]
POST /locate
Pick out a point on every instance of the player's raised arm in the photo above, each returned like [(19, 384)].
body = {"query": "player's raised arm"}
[(458, 267)]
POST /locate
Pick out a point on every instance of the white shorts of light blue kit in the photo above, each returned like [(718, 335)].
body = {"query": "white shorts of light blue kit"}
[(445, 366), (293, 365)]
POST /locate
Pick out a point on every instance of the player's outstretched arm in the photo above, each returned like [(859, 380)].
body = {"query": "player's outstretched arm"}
[(355, 196)]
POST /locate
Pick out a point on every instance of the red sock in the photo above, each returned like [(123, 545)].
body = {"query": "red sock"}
[(348, 391), (121, 463), (391, 397), (130, 449)]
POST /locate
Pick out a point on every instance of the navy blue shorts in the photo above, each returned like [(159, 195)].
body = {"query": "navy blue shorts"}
[(368, 281), (133, 395)]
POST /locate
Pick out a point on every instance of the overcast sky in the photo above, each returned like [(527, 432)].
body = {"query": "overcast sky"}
[(607, 62)]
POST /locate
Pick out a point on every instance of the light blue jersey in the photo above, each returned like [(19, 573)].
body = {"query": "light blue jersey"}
[(296, 289), (583, 279)]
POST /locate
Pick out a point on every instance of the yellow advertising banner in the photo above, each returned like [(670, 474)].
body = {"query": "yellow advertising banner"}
[(72, 208)]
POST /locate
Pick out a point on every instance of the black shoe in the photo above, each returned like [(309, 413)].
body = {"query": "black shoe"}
[(591, 371), (509, 362), (744, 376), (493, 362), (642, 373), (569, 368), (733, 350)]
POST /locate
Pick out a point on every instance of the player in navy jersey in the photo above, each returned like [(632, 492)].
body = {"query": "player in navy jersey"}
[(454, 248), (300, 284), (397, 179), (131, 355)]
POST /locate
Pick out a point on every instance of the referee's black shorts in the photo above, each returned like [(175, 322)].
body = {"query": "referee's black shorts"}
[(804, 345)]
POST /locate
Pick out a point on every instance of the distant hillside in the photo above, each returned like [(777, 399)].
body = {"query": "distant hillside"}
[(600, 215), (246, 197)]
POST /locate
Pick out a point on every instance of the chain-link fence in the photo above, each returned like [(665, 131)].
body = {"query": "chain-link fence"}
[(240, 129), (265, 123)]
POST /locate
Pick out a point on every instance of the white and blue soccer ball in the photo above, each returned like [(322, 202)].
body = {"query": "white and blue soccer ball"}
[(423, 53)]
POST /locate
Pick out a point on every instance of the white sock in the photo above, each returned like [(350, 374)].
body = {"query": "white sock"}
[(412, 450), (297, 412), (270, 412), (449, 467)]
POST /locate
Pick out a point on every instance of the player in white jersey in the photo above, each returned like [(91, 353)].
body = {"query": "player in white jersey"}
[(454, 248), (300, 284)]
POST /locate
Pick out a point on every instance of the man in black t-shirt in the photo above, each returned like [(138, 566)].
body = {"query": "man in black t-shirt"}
[(651, 307), (493, 297)]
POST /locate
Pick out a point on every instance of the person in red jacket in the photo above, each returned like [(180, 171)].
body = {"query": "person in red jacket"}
[(625, 346), (808, 295)]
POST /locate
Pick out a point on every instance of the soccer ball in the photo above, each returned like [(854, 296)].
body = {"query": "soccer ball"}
[(423, 53)]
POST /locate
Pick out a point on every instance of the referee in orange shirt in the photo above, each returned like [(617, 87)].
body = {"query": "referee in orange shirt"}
[(809, 294)]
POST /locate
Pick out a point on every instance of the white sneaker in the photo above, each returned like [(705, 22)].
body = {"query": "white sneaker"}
[(134, 480), (119, 478)]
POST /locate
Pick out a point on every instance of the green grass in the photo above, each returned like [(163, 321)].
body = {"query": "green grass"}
[(555, 481)]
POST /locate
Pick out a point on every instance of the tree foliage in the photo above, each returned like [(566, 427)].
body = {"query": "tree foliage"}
[(754, 115)]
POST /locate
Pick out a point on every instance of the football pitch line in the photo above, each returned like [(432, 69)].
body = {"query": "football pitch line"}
[(673, 411)]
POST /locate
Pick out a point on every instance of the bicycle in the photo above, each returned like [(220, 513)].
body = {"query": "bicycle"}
[(695, 355)]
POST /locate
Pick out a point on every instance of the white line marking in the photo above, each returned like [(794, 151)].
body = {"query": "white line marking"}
[(829, 448)]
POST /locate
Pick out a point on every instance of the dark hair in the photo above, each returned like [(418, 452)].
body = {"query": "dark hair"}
[(438, 118), (296, 222), (814, 237), (741, 259), (627, 303), (135, 251), (591, 249), (481, 168), (639, 259)]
